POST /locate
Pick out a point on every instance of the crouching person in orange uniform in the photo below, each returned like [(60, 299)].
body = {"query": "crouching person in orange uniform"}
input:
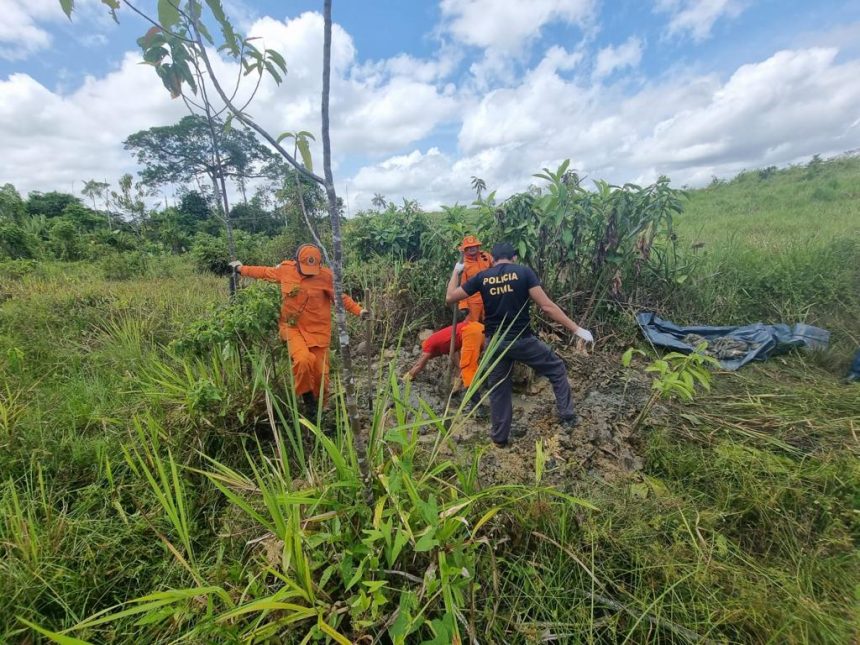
[(469, 341), (307, 293)]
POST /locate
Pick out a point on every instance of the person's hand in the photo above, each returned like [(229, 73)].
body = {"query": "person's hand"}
[(235, 265), (458, 268), (364, 314), (585, 335)]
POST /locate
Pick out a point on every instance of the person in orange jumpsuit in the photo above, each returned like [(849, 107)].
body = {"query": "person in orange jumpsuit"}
[(468, 340), (307, 293), (474, 261)]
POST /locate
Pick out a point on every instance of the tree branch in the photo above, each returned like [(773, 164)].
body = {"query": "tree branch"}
[(249, 122)]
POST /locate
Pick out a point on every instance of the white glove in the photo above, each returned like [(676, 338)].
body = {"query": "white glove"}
[(235, 265), (585, 335), (458, 268)]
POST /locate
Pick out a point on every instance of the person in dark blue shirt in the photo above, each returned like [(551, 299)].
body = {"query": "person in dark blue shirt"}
[(508, 289)]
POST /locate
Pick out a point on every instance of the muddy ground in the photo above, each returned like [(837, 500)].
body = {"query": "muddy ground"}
[(608, 398)]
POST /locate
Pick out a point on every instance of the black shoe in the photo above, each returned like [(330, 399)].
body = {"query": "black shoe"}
[(502, 445), (569, 423)]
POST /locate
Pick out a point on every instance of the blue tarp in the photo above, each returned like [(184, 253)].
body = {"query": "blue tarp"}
[(763, 340)]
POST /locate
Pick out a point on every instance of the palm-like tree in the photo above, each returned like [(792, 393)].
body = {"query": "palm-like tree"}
[(478, 185), (378, 201), (93, 189)]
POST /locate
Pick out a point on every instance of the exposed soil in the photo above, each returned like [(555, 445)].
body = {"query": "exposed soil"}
[(608, 397)]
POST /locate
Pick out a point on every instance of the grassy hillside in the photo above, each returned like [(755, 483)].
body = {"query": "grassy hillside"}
[(774, 210), (777, 246)]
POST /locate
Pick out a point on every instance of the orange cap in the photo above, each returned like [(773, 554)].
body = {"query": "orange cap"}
[(469, 240), (309, 257)]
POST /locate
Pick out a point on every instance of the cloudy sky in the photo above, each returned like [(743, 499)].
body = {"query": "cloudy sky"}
[(428, 93)]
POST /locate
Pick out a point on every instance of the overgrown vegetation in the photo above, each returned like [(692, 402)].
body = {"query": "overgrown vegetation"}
[(160, 483)]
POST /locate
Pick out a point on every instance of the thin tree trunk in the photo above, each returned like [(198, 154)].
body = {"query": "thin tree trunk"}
[(220, 185), (348, 378)]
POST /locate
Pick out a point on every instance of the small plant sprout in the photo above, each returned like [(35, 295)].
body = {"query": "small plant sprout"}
[(675, 376)]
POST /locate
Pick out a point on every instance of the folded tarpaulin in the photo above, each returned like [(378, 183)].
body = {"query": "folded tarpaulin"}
[(751, 342)]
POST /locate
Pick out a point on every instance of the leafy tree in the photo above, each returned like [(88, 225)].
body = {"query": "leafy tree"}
[(83, 218), (11, 205), (180, 153), (129, 200), (16, 242), (195, 206), (50, 204), (93, 188), (65, 240)]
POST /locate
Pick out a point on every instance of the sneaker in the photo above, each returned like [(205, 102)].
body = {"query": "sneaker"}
[(502, 445), (570, 422)]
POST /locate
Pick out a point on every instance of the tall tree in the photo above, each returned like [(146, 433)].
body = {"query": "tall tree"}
[(178, 47), (179, 153), (130, 200), (94, 188)]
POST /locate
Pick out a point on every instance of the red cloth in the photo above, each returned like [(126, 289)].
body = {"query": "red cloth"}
[(439, 344)]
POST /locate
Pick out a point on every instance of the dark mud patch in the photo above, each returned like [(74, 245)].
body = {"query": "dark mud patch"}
[(608, 399)]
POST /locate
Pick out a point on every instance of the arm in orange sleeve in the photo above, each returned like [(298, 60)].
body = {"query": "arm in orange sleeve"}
[(269, 274), (351, 305)]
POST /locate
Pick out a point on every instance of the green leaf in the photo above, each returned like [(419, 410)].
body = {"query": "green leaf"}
[(273, 72), (305, 150), (426, 542), (277, 59), (67, 6), (168, 13), (154, 55), (54, 636), (522, 249)]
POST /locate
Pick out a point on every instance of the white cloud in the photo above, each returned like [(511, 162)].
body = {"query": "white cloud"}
[(696, 18), (780, 110), (52, 138), (610, 59), (507, 24), (20, 33), (51, 141)]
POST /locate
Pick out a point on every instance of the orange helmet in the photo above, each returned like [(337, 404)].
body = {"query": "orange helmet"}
[(308, 257), (469, 240)]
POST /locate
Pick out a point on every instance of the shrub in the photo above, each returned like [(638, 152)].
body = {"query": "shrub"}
[(17, 243), (124, 266), (210, 253)]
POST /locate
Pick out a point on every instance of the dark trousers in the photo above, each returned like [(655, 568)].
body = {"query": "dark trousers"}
[(542, 360)]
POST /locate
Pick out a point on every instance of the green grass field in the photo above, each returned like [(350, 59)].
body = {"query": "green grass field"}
[(138, 505), (778, 246)]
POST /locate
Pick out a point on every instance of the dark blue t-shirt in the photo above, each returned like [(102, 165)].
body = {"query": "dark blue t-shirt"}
[(505, 291)]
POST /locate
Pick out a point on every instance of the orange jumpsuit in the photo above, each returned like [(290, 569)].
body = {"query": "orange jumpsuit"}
[(473, 303), (469, 340), (470, 351), (305, 322)]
